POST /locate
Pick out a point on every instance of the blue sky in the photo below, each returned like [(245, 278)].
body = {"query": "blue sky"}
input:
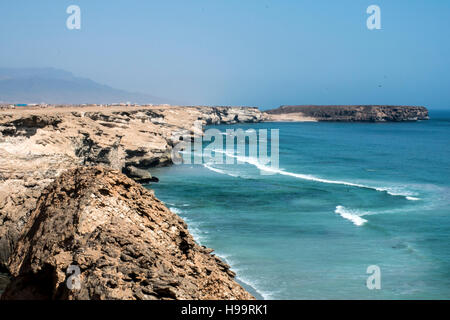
[(225, 52)]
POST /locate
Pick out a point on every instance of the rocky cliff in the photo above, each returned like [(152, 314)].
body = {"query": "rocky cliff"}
[(37, 145), (368, 113), (125, 242)]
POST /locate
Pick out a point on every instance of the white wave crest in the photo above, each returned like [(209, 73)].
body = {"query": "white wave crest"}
[(351, 215), (175, 210), (255, 162), (207, 166)]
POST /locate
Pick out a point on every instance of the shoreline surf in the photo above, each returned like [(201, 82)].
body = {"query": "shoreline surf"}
[(255, 162), (201, 240)]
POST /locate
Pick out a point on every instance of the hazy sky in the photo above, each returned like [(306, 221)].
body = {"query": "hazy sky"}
[(226, 52)]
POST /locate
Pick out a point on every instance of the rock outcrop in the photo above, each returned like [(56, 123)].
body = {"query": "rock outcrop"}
[(4, 281), (367, 113), (125, 242), (230, 115), (139, 175), (37, 145)]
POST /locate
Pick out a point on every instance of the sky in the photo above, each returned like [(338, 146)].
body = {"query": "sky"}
[(263, 53)]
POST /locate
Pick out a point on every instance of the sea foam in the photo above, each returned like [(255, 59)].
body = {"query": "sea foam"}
[(351, 215), (209, 167), (255, 162), (194, 228)]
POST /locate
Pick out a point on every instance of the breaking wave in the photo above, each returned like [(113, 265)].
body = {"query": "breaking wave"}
[(207, 166), (352, 215), (255, 162)]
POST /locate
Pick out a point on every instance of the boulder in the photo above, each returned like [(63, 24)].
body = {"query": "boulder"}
[(139, 175)]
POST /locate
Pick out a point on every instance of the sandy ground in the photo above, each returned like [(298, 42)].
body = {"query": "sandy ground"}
[(290, 117)]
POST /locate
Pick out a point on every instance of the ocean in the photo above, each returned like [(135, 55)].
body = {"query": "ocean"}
[(346, 196)]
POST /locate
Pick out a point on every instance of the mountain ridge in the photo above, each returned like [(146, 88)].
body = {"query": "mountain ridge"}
[(57, 86)]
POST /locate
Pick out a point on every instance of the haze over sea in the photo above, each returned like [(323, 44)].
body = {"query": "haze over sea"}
[(347, 196)]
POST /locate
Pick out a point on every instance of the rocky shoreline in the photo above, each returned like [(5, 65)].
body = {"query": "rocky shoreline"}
[(125, 242), (66, 198), (348, 113), (44, 149)]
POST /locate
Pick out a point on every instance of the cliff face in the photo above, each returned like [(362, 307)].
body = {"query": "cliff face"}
[(37, 145), (368, 113), (127, 244)]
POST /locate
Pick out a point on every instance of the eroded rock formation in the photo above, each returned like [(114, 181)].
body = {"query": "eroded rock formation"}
[(127, 244)]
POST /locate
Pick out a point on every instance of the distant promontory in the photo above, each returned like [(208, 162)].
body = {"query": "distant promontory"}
[(348, 113)]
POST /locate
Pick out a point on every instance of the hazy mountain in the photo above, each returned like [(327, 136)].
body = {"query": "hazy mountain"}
[(54, 86)]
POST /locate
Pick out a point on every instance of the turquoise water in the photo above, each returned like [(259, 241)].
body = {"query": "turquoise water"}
[(349, 195)]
